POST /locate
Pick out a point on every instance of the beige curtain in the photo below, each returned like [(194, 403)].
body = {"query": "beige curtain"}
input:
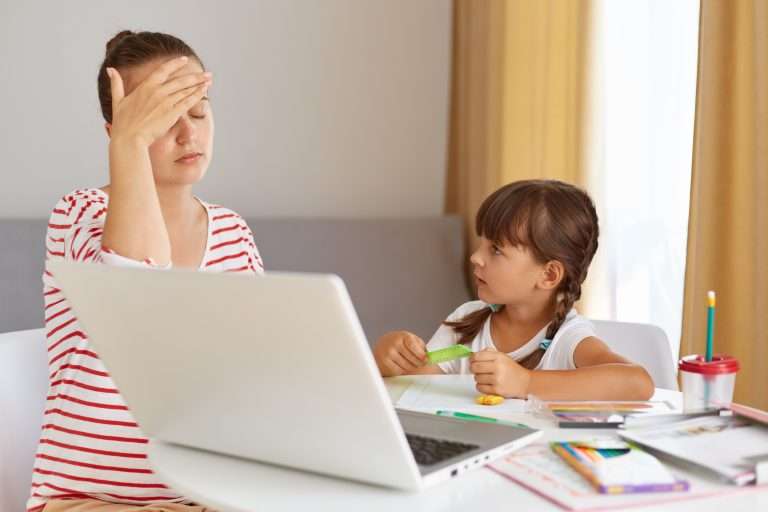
[(728, 227), (518, 97)]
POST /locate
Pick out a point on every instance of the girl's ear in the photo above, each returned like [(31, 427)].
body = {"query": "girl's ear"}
[(108, 127), (551, 275)]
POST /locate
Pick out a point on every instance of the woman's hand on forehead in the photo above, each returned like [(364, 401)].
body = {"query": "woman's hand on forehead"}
[(157, 102), (191, 67)]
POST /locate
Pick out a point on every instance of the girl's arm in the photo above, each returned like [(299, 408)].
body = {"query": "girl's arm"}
[(402, 353), (431, 369), (134, 227), (600, 375)]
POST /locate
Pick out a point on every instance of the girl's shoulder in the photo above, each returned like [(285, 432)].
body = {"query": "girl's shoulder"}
[(465, 309), (559, 355), (574, 321), (574, 329)]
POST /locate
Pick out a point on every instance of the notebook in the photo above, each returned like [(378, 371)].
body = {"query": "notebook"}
[(541, 471), (617, 467)]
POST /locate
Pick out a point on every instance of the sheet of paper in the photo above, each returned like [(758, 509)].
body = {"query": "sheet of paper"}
[(727, 445), (453, 393)]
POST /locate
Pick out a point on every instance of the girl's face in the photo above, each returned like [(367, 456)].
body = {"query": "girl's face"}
[(505, 274), (182, 155)]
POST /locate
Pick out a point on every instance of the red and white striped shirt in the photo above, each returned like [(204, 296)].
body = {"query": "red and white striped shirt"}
[(90, 445)]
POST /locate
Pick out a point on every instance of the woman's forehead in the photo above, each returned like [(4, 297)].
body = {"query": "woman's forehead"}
[(136, 74)]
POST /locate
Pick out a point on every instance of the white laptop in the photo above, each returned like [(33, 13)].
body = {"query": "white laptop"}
[(274, 369)]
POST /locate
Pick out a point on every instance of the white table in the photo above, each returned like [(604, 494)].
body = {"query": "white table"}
[(237, 485)]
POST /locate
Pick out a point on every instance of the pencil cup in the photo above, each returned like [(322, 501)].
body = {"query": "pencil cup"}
[(707, 384)]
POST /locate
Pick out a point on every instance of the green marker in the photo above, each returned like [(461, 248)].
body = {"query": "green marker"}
[(482, 419), (448, 354)]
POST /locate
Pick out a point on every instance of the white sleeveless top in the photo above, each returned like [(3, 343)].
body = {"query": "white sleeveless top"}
[(558, 356)]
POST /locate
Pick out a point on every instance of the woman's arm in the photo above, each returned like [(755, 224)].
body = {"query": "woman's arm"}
[(135, 227)]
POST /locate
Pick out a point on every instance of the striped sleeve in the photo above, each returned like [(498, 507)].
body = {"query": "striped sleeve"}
[(231, 245), (75, 230), (254, 258), (75, 227)]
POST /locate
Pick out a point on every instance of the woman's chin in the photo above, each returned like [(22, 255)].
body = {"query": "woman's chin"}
[(183, 176)]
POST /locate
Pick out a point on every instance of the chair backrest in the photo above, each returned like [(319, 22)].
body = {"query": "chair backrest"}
[(644, 344), (23, 389)]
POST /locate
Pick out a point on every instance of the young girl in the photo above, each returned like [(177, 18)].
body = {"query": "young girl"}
[(537, 239), (152, 88)]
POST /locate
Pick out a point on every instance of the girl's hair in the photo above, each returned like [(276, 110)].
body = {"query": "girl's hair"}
[(552, 219), (129, 49)]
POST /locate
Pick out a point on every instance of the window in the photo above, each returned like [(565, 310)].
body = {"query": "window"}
[(643, 95)]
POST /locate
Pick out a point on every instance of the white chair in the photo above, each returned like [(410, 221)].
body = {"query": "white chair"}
[(644, 344), (23, 390)]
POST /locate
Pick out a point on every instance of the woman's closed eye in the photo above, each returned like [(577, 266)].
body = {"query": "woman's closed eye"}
[(200, 110)]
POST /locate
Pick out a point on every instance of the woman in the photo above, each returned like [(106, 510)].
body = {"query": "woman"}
[(153, 93)]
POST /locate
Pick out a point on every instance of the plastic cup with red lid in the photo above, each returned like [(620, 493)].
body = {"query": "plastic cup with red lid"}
[(707, 384)]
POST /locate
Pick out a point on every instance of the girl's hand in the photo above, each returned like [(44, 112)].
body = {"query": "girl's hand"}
[(154, 106), (498, 374), (399, 353)]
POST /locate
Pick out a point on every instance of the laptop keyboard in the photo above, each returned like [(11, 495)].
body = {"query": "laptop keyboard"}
[(429, 451)]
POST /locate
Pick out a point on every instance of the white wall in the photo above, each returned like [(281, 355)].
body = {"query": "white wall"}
[(323, 108)]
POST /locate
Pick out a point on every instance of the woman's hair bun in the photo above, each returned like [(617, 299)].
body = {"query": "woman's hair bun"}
[(112, 43)]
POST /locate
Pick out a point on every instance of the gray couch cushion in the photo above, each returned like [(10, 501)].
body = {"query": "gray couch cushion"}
[(21, 270), (401, 273)]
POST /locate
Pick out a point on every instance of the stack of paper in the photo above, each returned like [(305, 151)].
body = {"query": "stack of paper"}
[(729, 446)]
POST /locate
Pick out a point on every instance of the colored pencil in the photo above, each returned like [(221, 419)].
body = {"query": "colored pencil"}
[(710, 324)]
